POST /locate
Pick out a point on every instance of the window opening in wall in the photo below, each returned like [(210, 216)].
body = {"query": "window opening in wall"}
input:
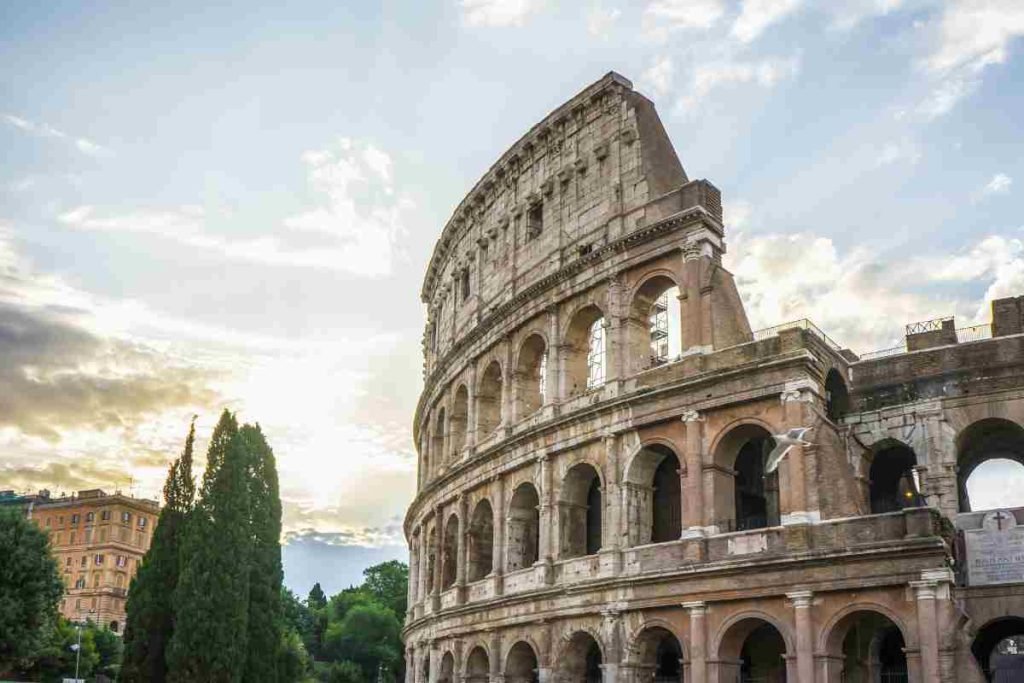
[(659, 329), (595, 355), (990, 465), (542, 378), (757, 494), (464, 284), (891, 481), (837, 398), (594, 517), (534, 221)]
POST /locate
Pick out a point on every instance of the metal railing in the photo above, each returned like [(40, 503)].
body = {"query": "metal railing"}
[(884, 353), (802, 324), (928, 325), (974, 333)]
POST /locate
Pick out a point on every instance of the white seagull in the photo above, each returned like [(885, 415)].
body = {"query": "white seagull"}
[(783, 444)]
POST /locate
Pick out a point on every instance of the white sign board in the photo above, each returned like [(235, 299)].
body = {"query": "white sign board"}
[(995, 552)]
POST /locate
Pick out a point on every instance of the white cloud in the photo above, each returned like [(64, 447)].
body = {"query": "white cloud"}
[(896, 152), (848, 14), (601, 19), (709, 76), (757, 15), (1000, 184), (45, 130), (945, 95), (498, 13), (659, 76), (358, 223), (662, 17), (976, 33)]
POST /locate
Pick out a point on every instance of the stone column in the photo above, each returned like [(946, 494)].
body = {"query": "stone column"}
[(460, 552), (547, 533), (496, 658), (410, 664), (611, 561), (498, 550), (804, 635), (927, 628), (551, 380), (545, 673), (435, 595), (471, 429), (508, 377), (412, 594), (610, 626), (691, 482), (698, 672), (792, 478), (615, 328)]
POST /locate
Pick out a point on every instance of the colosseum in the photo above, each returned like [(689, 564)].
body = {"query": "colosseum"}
[(593, 498)]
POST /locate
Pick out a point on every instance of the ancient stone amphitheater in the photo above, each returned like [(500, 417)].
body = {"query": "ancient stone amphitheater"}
[(592, 498)]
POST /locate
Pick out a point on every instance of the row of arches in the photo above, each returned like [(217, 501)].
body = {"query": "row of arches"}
[(651, 336), (863, 646)]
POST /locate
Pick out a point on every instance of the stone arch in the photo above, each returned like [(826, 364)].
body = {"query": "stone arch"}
[(458, 423), (892, 482), (754, 644), (585, 350), (437, 439), (985, 648), (837, 395), (580, 511), (531, 375), (446, 668), (657, 652), (522, 663), (580, 658), (654, 494), (744, 497), (983, 441), (488, 400), (480, 541), (450, 552), (522, 540), (865, 643), (654, 327), (478, 665)]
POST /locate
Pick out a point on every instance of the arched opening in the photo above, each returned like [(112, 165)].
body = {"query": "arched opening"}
[(999, 647), (425, 668), (659, 656), (892, 480), (458, 424), (653, 499), (488, 401), (531, 376), (837, 397), (446, 671), (523, 538), (985, 441), (431, 551), (450, 553), (581, 660), (437, 456), (481, 541), (114, 626), (580, 512), (478, 666), (745, 498), (585, 351), (871, 648), (655, 327), (752, 650), (521, 666)]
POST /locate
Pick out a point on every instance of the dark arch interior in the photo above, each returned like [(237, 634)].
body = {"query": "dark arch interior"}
[(481, 541), (593, 663), (523, 537), (873, 649), (477, 666), (449, 552), (756, 494), (593, 517), (458, 423), (985, 440), (999, 645), (761, 658), (667, 515), (531, 375), (660, 655), (891, 476), (522, 664), (580, 512), (581, 660), (446, 673), (489, 400), (837, 397)]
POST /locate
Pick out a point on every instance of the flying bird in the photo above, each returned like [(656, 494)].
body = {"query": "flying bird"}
[(783, 444)]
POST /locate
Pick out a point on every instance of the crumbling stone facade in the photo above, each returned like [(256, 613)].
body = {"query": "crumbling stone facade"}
[(592, 506)]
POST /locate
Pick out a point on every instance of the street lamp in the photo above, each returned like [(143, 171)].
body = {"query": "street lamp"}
[(78, 646)]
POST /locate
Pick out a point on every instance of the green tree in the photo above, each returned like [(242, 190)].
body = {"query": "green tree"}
[(30, 588), (265, 613), (369, 636), (388, 582), (316, 598), (150, 607), (211, 601)]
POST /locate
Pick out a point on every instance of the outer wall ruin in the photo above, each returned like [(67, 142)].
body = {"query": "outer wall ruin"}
[(592, 502)]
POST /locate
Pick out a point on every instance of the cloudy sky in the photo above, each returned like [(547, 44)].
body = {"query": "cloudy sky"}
[(205, 205)]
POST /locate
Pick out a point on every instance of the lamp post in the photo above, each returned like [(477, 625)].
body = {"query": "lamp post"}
[(78, 645)]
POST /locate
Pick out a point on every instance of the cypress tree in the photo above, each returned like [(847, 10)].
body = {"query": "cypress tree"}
[(266, 632), (211, 601), (150, 621)]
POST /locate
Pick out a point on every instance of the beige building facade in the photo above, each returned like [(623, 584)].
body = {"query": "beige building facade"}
[(592, 498), (99, 541)]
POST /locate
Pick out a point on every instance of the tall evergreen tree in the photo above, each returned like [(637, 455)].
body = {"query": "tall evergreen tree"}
[(266, 634), (150, 608), (316, 598), (211, 601)]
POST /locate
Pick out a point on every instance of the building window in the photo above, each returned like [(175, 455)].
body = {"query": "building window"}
[(60, 520), (48, 521), (142, 522), (464, 284), (126, 517), (85, 561), (114, 626), (595, 355), (57, 538), (105, 515), (74, 518), (534, 221), (122, 561), (80, 583), (99, 560), (72, 539), (90, 517), (96, 580), (78, 604)]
